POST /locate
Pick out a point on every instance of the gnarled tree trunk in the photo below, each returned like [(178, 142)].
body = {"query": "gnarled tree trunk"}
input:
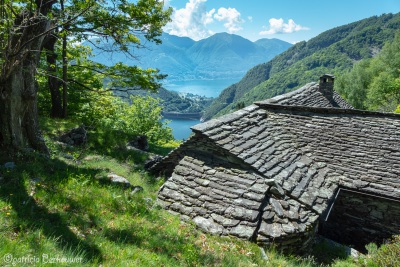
[(19, 125)]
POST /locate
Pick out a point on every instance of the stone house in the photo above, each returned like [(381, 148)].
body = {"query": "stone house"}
[(280, 170)]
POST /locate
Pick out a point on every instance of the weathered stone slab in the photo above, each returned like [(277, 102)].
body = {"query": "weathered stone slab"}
[(259, 188), (243, 231), (172, 194), (190, 192), (215, 208), (248, 204), (219, 194), (277, 207), (277, 191), (203, 182), (208, 225), (226, 222), (254, 196), (182, 209), (200, 211), (181, 170), (241, 213), (271, 229), (289, 228)]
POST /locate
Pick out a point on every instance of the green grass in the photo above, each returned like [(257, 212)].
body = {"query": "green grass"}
[(65, 207)]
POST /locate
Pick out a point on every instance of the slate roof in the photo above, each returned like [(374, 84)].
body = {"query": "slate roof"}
[(269, 171), (309, 95), (362, 147)]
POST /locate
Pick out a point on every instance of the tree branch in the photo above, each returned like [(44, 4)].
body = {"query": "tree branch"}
[(49, 30)]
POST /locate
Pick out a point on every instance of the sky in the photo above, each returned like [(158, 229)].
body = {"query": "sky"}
[(289, 20)]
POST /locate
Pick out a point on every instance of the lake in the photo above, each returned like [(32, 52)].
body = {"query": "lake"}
[(208, 88), (181, 128)]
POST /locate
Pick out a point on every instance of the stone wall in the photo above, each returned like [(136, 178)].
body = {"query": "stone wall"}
[(357, 219)]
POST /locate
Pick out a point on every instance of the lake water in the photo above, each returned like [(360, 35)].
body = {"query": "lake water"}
[(181, 128), (208, 88)]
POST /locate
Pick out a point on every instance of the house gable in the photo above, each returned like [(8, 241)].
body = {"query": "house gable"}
[(224, 195)]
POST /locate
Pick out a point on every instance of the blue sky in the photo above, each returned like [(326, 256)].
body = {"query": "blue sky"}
[(288, 20)]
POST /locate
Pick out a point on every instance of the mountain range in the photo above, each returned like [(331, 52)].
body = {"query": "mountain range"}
[(221, 56), (334, 51)]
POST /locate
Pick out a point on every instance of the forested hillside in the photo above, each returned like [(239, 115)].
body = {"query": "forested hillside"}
[(374, 83), (172, 101), (334, 51)]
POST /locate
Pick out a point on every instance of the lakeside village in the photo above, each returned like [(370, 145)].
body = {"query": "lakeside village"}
[(195, 104)]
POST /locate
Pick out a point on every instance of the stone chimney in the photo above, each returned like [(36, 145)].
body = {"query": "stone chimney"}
[(326, 82)]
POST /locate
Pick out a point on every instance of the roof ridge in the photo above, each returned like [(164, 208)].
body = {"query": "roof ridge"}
[(330, 110), (223, 119), (288, 95)]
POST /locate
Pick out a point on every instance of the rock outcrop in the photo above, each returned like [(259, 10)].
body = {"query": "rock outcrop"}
[(75, 137)]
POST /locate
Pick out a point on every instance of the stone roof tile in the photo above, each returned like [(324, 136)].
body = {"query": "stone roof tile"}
[(277, 164), (308, 95)]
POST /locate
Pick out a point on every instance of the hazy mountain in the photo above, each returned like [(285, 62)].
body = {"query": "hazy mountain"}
[(334, 51), (273, 44), (228, 55), (221, 56)]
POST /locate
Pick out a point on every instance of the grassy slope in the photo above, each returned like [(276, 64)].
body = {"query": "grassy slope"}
[(66, 207)]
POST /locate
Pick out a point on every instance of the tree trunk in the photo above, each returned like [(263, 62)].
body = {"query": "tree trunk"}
[(64, 65), (19, 124), (65, 76), (53, 81)]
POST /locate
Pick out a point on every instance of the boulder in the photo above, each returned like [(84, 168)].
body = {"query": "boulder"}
[(116, 179), (139, 142), (122, 181), (75, 137), (153, 160)]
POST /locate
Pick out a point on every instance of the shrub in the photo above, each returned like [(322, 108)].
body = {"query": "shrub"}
[(115, 117), (387, 255)]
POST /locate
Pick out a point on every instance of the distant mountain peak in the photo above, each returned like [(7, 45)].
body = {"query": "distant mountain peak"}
[(333, 51), (220, 56)]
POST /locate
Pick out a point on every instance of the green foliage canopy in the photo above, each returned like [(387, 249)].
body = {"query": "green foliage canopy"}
[(110, 114), (374, 84)]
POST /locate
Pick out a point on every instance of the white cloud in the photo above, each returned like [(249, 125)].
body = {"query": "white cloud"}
[(194, 20), (191, 21), (279, 26), (231, 17), (250, 18)]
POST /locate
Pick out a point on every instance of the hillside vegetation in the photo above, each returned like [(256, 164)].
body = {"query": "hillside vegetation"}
[(374, 84), (334, 51), (172, 101)]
